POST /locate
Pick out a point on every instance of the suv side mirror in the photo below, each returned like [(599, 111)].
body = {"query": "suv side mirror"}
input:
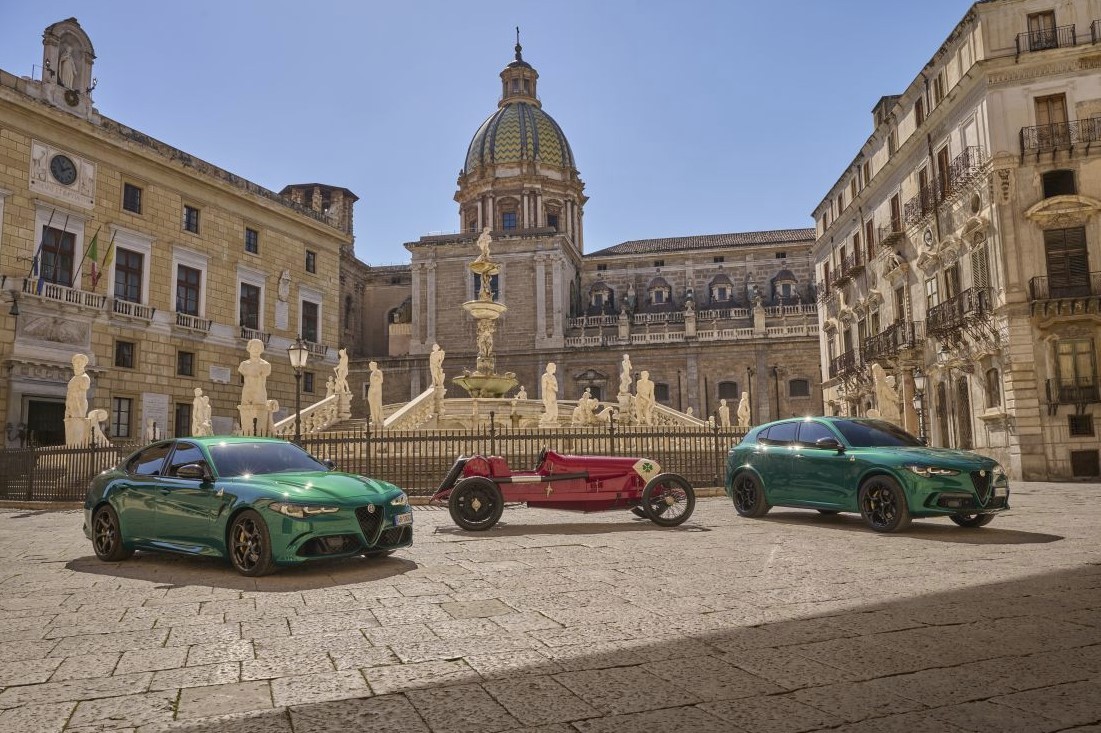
[(829, 444), (193, 471)]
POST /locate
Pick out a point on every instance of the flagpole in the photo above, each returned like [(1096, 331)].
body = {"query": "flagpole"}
[(34, 259), (78, 275), (106, 257)]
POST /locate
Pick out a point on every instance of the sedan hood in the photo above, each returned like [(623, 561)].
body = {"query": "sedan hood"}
[(943, 457), (322, 486)]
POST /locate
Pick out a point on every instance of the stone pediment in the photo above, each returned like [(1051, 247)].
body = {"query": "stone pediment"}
[(1061, 212)]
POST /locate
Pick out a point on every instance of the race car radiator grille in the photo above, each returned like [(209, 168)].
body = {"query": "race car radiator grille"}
[(395, 536), (982, 480), (369, 518)]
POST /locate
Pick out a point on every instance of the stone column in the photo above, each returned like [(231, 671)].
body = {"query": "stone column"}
[(430, 303), (490, 222), (540, 299), (481, 209), (556, 280), (539, 218), (417, 315)]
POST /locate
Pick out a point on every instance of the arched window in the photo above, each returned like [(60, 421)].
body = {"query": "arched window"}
[(798, 388), (728, 391), (993, 388)]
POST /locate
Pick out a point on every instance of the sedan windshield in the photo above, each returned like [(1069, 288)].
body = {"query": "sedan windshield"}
[(875, 433), (244, 459)]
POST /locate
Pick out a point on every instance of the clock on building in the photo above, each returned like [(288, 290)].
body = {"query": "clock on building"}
[(63, 169)]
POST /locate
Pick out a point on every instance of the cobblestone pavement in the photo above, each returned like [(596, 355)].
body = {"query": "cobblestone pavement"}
[(557, 622)]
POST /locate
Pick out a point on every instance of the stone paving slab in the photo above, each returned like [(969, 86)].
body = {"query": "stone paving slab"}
[(555, 622)]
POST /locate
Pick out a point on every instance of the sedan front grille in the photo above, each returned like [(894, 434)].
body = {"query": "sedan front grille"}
[(395, 536), (369, 517), (982, 481)]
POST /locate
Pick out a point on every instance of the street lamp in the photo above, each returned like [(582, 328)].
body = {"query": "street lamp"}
[(298, 354), (919, 402)]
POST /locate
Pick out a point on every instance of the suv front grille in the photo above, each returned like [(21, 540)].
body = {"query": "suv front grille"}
[(982, 481), (395, 536), (369, 517)]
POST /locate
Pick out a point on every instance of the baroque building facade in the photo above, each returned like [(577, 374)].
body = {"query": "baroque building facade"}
[(194, 261), (957, 253), (708, 316)]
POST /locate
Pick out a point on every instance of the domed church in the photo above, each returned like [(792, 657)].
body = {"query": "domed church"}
[(709, 316)]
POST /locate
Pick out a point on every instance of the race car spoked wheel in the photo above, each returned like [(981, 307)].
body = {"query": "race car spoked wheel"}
[(668, 500), (475, 504)]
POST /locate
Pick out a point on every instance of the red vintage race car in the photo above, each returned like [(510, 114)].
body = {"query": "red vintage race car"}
[(477, 488)]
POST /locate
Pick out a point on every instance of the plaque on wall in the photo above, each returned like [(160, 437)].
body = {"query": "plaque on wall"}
[(281, 317), (62, 175), (221, 425), (219, 375), (154, 408)]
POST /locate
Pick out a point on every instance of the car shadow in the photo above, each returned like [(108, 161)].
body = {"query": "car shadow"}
[(180, 571), (921, 529), (507, 529)]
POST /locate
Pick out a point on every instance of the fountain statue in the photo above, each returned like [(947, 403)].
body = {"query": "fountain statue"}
[(484, 381)]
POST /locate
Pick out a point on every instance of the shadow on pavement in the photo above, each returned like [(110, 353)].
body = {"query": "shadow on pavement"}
[(507, 529), (178, 571), (1021, 655), (921, 529)]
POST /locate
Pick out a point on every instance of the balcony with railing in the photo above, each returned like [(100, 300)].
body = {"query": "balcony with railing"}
[(844, 364), (891, 235), (316, 349), (822, 291), (844, 271), (251, 333), (1046, 38), (897, 337), (46, 290), (1072, 391), (1047, 294), (1061, 136), (964, 168), (136, 311), (958, 312), (920, 205), (193, 323)]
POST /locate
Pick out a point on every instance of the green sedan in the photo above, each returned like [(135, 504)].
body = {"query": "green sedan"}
[(873, 467), (257, 501)]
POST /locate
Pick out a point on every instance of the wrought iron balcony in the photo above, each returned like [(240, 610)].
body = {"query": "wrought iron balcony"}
[(1060, 136), (822, 291), (1042, 40), (920, 206), (964, 169), (845, 364), (1071, 391), (958, 312), (844, 271), (891, 234), (1046, 293), (891, 340)]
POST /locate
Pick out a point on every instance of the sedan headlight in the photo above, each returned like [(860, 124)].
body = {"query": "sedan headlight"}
[(930, 471), (301, 511), (400, 500)]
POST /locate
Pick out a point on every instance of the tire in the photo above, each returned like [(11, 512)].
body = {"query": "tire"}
[(476, 504), (749, 497), (883, 505), (668, 500), (250, 545), (828, 512), (107, 536), (972, 520)]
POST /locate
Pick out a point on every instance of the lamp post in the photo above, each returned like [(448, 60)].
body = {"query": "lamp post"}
[(919, 402), (298, 354)]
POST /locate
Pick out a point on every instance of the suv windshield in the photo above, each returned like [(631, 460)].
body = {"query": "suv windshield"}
[(242, 459), (875, 433)]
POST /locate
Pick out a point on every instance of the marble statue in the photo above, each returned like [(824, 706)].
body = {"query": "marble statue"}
[(374, 395), (744, 411), (623, 324), (886, 396), (330, 387), (340, 372), (254, 409), (269, 427), (690, 412), (644, 399), (284, 289), (584, 413), (66, 70), (76, 404), (724, 414), (200, 414), (522, 394), (435, 365), (150, 433), (549, 384), (625, 374), (484, 240), (97, 437)]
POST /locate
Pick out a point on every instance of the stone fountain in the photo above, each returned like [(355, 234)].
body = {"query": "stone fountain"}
[(484, 381)]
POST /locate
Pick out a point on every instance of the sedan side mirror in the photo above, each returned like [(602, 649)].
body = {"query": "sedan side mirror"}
[(329, 464), (193, 471), (829, 444)]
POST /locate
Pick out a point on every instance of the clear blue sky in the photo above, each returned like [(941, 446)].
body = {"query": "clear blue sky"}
[(684, 117)]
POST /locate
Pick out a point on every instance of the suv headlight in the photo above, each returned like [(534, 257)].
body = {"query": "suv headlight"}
[(301, 511), (930, 471), (400, 500)]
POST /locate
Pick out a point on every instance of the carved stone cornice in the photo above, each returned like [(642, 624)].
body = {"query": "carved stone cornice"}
[(1061, 212)]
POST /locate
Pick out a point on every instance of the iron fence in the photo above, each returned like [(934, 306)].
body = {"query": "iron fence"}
[(415, 461)]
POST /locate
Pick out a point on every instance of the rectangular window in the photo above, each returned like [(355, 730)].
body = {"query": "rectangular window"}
[(939, 88), (183, 419), (1074, 361), (191, 219), (311, 261), (1041, 31), (919, 112), (1068, 265), (124, 354), (1059, 183), (250, 306), (185, 363), (252, 241), (1080, 425), (307, 382), (932, 294), (57, 256), (869, 237), (131, 198), (188, 280), (892, 142), (120, 417), (661, 392), (659, 263), (309, 321), (552, 221), (508, 220), (896, 213), (601, 268), (951, 281), (128, 273), (720, 258), (867, 171), (781, 255)]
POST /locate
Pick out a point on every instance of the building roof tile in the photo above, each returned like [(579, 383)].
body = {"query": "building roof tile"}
[(707, 241)]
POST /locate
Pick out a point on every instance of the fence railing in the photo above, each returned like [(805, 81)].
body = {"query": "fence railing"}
[(416, 461), (1060, 135)]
